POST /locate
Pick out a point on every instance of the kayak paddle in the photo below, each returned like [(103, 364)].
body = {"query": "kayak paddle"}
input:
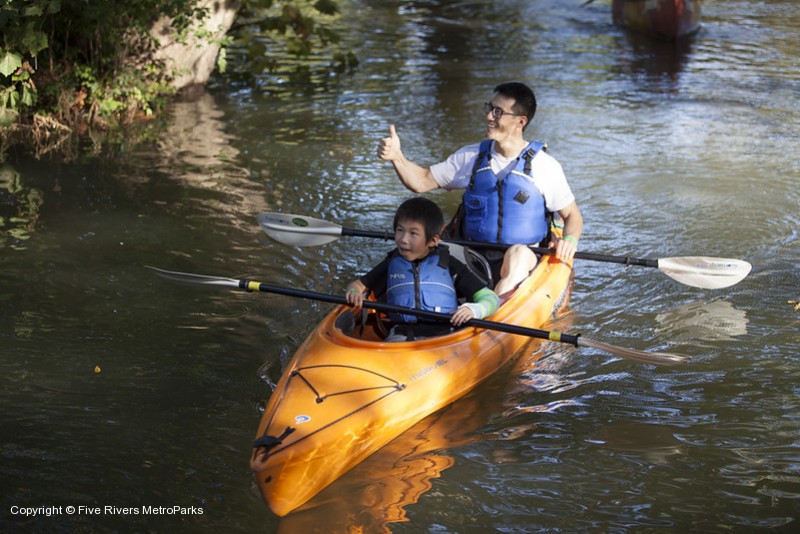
[(655, 358), (695, 271)]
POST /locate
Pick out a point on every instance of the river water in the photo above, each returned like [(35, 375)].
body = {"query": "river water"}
[(119, 389)]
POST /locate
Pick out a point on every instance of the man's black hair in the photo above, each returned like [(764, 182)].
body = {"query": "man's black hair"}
[(423, 211), (524, 99)]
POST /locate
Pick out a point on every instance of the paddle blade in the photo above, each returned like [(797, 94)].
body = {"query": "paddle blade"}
[(707, 273), (195, 279), (298, 230), (655, 358)]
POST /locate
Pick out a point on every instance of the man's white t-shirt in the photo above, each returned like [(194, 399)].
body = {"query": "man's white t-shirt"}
[(548, 176)]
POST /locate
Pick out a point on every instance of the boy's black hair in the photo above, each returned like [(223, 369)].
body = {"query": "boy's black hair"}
[(424, 211), (524, 98)]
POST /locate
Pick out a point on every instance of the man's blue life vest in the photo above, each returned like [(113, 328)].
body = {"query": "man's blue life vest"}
[(505, 211), (424, 284)]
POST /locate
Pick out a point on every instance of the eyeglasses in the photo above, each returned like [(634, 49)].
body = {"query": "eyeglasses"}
[(497, 112)]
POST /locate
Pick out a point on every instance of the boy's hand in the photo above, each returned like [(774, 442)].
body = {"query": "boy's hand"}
[(462, 315), (354, 295)]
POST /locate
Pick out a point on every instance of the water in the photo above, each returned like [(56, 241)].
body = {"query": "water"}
[(120, 389)]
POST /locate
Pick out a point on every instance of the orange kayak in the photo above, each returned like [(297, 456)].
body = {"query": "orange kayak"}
[(346, 393)]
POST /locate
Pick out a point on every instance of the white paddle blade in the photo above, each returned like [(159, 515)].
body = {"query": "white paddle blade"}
[(191, 278), (706, 273), (298, 230), (655, 358)]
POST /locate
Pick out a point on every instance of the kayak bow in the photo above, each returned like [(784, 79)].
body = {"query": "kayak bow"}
[(346, 393)]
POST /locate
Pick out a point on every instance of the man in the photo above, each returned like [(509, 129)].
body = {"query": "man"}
[(510, 185)]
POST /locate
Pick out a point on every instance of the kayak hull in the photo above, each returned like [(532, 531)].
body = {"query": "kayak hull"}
[(665, 19), (343, 397)]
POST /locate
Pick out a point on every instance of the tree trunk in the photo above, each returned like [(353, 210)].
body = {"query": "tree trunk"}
[(194, 61)]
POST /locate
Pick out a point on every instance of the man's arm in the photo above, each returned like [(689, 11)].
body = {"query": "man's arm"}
[(573, 226), (414, 177)]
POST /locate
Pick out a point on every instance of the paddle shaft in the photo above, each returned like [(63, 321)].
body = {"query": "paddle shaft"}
[(625, 260), (248, 285), (694, 271), (655, 358)]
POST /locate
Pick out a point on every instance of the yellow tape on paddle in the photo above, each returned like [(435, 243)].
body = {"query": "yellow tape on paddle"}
[(554, 336), (253, 286)]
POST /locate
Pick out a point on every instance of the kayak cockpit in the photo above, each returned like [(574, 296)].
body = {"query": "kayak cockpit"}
[(366, 326)]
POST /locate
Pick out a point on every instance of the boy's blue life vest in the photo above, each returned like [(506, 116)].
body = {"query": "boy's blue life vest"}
[(424, 284), (507, 211)]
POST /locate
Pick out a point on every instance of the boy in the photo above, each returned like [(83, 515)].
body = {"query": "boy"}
[(421, 274)]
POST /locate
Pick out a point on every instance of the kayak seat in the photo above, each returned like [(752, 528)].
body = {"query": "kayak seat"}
[(474, 261), (368, 325)]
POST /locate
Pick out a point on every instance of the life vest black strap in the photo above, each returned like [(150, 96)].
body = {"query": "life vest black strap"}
[(444, 256), (531, 153), (528, 159)]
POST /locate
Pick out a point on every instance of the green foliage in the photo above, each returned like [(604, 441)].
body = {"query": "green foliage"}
[(20, 26), (92, 62), (93, 59), (9, 63)]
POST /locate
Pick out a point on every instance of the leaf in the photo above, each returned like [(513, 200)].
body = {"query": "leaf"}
[(222, 60), (27, 96), (9, 62), (8, 116), (12, 99), (34, 41), (33, 11)]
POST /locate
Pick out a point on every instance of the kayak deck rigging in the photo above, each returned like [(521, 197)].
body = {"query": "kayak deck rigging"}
[(298, 373)]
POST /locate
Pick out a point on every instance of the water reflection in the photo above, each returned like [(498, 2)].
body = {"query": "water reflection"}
[(654, 65), (654, 443), (19, 208), (197, 151), (700, 320)]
